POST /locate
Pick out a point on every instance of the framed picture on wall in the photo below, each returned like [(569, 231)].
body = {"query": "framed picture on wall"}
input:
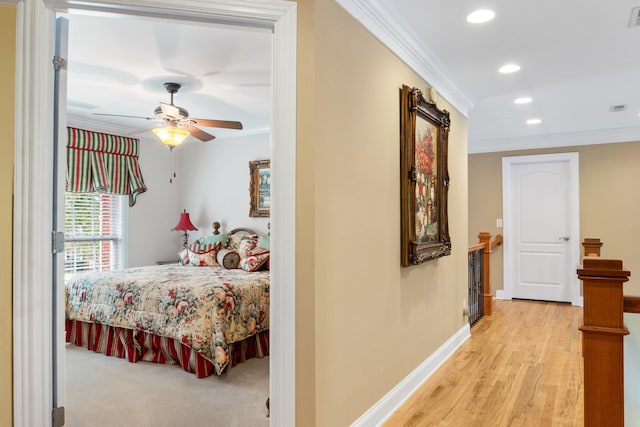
[(260, 188), (424, 179)]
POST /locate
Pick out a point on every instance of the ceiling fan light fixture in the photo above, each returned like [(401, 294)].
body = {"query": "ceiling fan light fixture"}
[(171, 136)]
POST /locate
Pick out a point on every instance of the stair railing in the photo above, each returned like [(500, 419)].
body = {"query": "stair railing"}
[(603, 332), (480, 296)]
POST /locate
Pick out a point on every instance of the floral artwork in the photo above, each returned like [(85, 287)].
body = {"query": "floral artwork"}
[(260, 188), (426, 180)]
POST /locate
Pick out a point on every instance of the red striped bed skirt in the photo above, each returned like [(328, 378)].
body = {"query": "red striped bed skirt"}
[(136, 345)]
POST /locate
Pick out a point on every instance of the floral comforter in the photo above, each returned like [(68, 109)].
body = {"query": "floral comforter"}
[(206, 308)]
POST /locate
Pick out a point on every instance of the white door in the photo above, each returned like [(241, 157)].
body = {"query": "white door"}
[(541, 220)]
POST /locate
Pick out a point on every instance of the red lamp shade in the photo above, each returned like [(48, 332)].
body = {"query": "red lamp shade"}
[(185, 225)]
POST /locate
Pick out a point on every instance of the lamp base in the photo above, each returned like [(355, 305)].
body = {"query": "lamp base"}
[(185, 239)]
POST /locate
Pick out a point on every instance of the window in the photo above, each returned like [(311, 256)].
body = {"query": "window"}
[(94, 238)]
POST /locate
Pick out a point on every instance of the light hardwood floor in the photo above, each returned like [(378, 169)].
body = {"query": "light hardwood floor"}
[(522, 366)]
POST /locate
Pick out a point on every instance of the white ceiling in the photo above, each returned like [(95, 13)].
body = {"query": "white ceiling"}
[(118, 66), (578, 58)]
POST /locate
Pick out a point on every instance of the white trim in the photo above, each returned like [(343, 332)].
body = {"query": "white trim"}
[(32, 308), (566, 139), (574, 207), (32, 225), (385, 407), (384, 21)]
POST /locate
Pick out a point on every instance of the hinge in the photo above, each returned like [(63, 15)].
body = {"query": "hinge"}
[(57, 417), (59, 63), (57, 242)]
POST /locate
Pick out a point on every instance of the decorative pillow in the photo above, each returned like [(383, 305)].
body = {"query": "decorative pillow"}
[(255, 259), (235, 239), (198, 247), (201, 259), (201, 254), (264, 242), (245, 246), (228, 259), (215, 238), (183, 256)]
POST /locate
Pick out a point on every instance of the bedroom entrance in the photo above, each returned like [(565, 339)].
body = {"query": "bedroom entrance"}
[(33, 404), (107, 231)]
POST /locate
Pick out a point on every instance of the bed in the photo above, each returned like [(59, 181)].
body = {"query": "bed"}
[(207, 313)]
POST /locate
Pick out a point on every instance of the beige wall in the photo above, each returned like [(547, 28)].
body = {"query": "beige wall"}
[(374, 321), (609, 202), (7, 75), (305, 218)]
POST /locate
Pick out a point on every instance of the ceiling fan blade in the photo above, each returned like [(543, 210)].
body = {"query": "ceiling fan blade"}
[(217, 123), (124, 115), (200, 134)]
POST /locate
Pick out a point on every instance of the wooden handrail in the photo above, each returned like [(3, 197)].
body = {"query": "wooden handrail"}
[(603, 331), (477, 247), (497, 241), (632, 304)]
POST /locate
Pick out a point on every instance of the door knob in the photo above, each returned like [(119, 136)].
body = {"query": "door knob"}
[(565, 238)]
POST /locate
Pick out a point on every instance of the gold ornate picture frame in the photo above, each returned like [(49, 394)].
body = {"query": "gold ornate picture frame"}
[(260, 188), (424, 179)]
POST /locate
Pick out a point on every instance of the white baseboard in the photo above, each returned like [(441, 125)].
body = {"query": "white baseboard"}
[(389, 403), (502, 294)]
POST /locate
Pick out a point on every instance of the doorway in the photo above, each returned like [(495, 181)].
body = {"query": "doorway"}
[(33, 301), (541, 227)]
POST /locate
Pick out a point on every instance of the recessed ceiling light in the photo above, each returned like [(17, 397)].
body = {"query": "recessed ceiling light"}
[(523, 100), (509, 68), (480, 16), (534, 121)]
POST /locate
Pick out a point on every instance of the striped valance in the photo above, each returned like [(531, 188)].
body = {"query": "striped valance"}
[(99, 162)]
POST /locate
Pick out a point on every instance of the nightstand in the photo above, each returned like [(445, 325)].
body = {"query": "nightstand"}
[(173, 261)]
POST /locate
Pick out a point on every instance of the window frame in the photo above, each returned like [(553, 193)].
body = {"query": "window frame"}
[(118, 237)]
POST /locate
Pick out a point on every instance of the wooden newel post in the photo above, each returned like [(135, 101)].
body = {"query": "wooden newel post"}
[(591, 246), (485, 238), (603, 331)]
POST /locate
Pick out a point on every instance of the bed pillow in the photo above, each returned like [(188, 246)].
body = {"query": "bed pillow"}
[(246, 245), (228, 259), (264, 242), (183, 256), (255, 259), (200, 255), (202, 259), (236, 239), (215, 238)]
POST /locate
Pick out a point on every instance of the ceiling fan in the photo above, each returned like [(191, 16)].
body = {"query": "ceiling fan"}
[(177, 121)]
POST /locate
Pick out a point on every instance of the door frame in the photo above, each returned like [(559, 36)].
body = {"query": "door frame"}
[(510, 248), (32, 296)]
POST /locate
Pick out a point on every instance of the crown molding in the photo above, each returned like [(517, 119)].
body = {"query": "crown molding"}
[(98, 126), (383, 20), (566, 139), (8, 2)]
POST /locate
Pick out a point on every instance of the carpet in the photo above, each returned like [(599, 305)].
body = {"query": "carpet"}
[(104, 391)]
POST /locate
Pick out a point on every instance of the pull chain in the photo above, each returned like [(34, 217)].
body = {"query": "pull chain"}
[(172, 171)]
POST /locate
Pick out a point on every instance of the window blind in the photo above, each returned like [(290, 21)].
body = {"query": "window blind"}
[(93, 232)]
